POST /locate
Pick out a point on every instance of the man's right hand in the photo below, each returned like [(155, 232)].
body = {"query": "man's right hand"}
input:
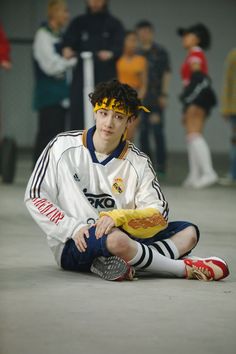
[(80, 238), (68, 53)]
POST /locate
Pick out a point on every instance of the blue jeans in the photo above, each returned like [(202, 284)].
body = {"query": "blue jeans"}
[(233, 148), (74, 260)]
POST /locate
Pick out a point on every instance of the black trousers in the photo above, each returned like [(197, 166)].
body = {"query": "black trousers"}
[(159, 155), (51, 121)]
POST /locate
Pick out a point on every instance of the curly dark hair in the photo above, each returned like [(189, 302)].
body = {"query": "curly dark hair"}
[(123, 93)]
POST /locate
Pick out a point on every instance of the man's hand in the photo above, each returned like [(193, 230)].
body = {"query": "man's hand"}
[(6, 64), (80, 238), (104, 226), (105, 55), (68, 53)]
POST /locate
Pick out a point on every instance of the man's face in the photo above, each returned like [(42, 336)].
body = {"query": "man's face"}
[(96, 5), (110, 125), (145, 35), (61, 15)]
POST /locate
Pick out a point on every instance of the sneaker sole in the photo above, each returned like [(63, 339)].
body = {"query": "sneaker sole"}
[(110, 268)]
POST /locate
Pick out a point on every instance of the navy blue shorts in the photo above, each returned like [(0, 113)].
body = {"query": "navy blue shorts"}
[(74, 260)]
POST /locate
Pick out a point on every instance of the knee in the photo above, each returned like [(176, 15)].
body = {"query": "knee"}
[(192, 236), (118, 243)]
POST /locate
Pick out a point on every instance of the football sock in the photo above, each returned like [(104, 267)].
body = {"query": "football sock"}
[(167, 248), (148, 258)]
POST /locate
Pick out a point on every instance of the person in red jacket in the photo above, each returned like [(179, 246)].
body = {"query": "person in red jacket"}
[(198, 98), (7, 144), (5, 61)]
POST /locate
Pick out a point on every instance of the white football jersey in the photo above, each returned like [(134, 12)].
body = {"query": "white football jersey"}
[(69, 187)]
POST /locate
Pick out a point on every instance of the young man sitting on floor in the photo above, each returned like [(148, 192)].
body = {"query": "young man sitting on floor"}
[(98, 200)]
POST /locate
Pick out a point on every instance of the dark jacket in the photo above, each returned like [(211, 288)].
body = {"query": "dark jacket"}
[(95, 32)]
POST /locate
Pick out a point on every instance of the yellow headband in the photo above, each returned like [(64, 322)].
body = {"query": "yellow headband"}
[(115, 105)]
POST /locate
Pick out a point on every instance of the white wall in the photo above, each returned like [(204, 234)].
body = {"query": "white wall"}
[(21, 18)]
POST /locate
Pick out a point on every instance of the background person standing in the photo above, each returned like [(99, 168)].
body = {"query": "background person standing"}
[(228, 110), (51, 93), (8, 146), (98, 32), (156, 95), (198, 98), (132, 70)]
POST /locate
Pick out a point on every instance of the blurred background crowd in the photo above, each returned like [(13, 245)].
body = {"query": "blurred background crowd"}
[(179, 56)]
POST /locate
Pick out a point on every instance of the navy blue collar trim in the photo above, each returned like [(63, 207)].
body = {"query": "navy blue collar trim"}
[(115, 154)]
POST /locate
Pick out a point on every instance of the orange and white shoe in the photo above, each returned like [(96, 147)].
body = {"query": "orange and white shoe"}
[(207, 269)]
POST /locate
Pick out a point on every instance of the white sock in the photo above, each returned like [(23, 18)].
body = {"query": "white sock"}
[(167, 248), (202, 154), (194, 172), (150, 259)]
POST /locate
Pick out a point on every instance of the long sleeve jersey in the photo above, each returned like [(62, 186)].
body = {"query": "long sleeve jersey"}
[(69, 188)]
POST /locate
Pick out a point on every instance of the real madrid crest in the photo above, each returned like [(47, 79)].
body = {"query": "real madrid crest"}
[(118, 186)]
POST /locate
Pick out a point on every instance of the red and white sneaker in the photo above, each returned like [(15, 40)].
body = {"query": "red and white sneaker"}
[(207, 269), (112, 268)]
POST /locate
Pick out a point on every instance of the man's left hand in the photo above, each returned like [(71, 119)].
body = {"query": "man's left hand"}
[(105, 55), (104, 226)]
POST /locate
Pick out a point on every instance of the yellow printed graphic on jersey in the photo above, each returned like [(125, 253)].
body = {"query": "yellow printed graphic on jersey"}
[(141, 223)]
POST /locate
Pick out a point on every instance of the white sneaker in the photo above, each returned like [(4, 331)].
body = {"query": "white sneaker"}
[(206, 181), (189, 182)]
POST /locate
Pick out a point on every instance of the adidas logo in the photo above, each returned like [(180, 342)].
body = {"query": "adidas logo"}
[(76, 177)]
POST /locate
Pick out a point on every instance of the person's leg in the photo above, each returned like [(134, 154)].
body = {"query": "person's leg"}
[(233, 148), (132, 129), (51, 121), (149, 255), (144, 134), (121, 254), (197, 146), (74, 260), (166, 248), (96, 259), (162, 254), (194, 168), (76, 112), (157, 126)]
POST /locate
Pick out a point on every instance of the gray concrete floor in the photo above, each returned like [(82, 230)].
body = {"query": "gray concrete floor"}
[(46, 310)]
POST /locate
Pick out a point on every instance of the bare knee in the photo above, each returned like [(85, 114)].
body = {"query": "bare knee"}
[(118, 243), (193, 237), (185, 240)]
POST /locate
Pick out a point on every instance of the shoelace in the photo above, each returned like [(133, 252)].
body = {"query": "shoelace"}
[(202, 273)]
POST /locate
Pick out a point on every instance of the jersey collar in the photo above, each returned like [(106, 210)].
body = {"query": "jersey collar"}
[(118, 153)]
